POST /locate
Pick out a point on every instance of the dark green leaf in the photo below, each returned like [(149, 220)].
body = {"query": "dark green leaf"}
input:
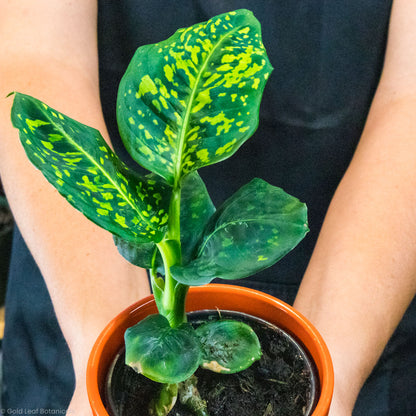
[(193, 99), (139, 254), (253, 229), (196, 209), (228, 346), (82, 167), (161, 353)]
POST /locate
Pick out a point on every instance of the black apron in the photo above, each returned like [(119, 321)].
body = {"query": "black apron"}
[(327, 57)]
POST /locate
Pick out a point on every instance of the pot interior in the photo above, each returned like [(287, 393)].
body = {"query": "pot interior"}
[(214, 296), (284, 381)]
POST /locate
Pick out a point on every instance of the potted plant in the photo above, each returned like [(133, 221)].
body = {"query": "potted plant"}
[(184, 103)]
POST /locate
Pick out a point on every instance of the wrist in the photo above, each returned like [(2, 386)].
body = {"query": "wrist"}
[(348, 350)]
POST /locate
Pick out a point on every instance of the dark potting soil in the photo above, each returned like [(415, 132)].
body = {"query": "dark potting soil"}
[(283, 382)]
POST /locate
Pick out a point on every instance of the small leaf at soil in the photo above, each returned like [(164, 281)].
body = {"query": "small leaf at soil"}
[(161, 353), (228, 346)]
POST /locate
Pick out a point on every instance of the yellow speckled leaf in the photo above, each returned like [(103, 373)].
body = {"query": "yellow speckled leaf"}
[(193, 99), (251, 231), (82, 167)]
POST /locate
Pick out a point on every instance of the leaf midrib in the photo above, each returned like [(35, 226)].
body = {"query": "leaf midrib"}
[(233, 222), (189, 107), (96, 164)]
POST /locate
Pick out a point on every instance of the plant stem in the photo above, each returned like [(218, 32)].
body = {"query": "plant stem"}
[(174, 224), (189, 396), (165, 400), (171, 300)]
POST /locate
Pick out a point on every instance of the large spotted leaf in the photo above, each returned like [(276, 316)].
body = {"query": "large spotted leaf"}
[(83, 168), (251, 231), (196, 209), (193, 99)]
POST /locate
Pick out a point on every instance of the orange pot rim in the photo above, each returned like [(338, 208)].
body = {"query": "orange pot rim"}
[(213, 296)]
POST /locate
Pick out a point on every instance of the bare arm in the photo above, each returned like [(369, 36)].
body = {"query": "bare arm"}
[(361, 277), (48, 50)]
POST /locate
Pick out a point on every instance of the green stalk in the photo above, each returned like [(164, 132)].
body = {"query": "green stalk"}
[(169, 294), (174, 222), (165, 401), (171, 302), (189, 396)]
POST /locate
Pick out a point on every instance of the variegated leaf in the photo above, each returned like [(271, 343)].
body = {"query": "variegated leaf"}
[(83, 168), (196, 209), (193, 99), (251, 231)]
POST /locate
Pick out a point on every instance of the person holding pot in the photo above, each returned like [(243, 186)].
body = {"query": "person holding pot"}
[(336, 129)]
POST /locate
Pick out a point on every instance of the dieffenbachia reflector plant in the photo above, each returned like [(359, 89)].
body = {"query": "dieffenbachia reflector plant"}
[(184, 103)]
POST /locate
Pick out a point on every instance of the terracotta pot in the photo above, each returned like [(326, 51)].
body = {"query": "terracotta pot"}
[(213, 296)]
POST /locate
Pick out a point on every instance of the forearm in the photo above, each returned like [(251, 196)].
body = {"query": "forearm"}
[(88, 280), (360, 279)]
